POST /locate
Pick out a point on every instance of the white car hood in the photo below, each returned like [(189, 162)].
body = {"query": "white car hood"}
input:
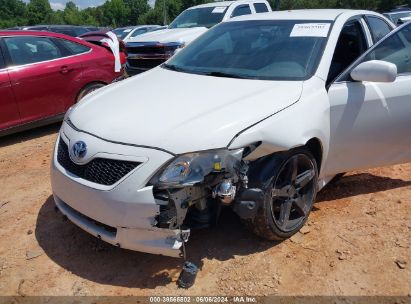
[(181, 112), (185, 35)]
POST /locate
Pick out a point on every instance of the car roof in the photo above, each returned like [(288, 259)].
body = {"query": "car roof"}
[(303, 14), (136, 26), (38, 33), (398, 12), (225, 3), (401, 9), (54, 25)]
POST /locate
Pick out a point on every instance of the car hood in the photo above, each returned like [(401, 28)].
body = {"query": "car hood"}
[(185, 35), (180, 112)]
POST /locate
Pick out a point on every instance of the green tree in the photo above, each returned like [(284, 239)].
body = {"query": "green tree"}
[(88, 16), (157, 16), (129, 12), (136, 8), (188, 3), (38, 12), (12, 13), (387, 5), (57, 17), (114, 13), (71, 14)]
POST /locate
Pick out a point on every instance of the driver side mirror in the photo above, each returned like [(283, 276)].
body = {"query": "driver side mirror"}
[(375, 71)]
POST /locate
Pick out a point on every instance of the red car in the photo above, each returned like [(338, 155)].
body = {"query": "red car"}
[(42, 74)]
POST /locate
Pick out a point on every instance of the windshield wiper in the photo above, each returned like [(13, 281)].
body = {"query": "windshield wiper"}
[(223, 74), (173, 67), (176, 68)]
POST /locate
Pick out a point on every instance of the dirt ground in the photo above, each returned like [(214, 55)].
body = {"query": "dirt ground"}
[(357, 241)]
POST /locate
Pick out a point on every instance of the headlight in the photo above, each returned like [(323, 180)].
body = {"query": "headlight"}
[(191, 168), (67, 115)]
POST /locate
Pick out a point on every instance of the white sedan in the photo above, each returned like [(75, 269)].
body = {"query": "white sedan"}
[(258, 114)]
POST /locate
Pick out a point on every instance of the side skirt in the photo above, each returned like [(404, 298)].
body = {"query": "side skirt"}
[(32, 125)]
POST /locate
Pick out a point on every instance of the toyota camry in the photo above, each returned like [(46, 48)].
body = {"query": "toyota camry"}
[(258, 115)]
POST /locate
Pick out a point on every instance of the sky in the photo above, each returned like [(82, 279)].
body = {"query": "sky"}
[(60, 4)]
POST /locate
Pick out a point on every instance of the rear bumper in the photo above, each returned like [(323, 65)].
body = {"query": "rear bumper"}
[(123, 214)]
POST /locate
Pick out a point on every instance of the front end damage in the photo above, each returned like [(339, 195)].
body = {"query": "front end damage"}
[(146, 212), (114, 205), (191, 189)]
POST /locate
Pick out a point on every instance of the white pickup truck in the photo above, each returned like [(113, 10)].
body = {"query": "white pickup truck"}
[(151, 49)]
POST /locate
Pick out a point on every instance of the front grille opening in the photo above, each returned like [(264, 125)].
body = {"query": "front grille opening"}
[(151, 49), (109, 229), (145, 63), (101, 171)]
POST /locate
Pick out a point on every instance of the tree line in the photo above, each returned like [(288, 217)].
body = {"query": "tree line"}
[(116, 13)]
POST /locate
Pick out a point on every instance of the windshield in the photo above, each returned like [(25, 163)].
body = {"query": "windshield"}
[(267, 49), (122, 32), (199, 17), (139, 32)]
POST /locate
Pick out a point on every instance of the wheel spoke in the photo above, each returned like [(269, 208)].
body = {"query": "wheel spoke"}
[(300, 205), (304, 178), (282, 192), (294, 169), (293, 192), (285, 210)]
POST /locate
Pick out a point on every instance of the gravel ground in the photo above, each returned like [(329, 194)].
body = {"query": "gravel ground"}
[(356, 242)]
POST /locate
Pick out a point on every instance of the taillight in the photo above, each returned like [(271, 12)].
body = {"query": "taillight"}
[(122, 46)]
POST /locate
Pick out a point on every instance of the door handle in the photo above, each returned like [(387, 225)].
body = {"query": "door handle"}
[(65, 69)]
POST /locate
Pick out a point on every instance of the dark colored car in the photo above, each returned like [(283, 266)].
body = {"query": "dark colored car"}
[(92, 28), (70, 30), (42, 74)]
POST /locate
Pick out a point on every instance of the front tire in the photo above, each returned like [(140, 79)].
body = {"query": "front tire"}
[(289, 197)]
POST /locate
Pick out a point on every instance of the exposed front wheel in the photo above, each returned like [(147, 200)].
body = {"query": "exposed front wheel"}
[(289, 197)]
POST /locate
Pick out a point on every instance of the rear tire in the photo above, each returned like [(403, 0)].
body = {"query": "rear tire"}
[(289, 197), (88, 89)]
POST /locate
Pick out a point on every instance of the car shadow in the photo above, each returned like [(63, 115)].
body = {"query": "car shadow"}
[(357, 184), (23, 136), (94, 260)]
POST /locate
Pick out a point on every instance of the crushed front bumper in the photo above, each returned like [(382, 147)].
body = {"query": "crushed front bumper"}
[(122, 214)]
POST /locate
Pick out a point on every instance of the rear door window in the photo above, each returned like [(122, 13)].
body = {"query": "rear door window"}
[(395, 49), (74, 48), (260, 8), (378, 27), (30, 49), (241, 10)]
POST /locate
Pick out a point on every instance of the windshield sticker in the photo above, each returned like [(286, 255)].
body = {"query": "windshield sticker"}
[(310, 30), (218, 10)]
